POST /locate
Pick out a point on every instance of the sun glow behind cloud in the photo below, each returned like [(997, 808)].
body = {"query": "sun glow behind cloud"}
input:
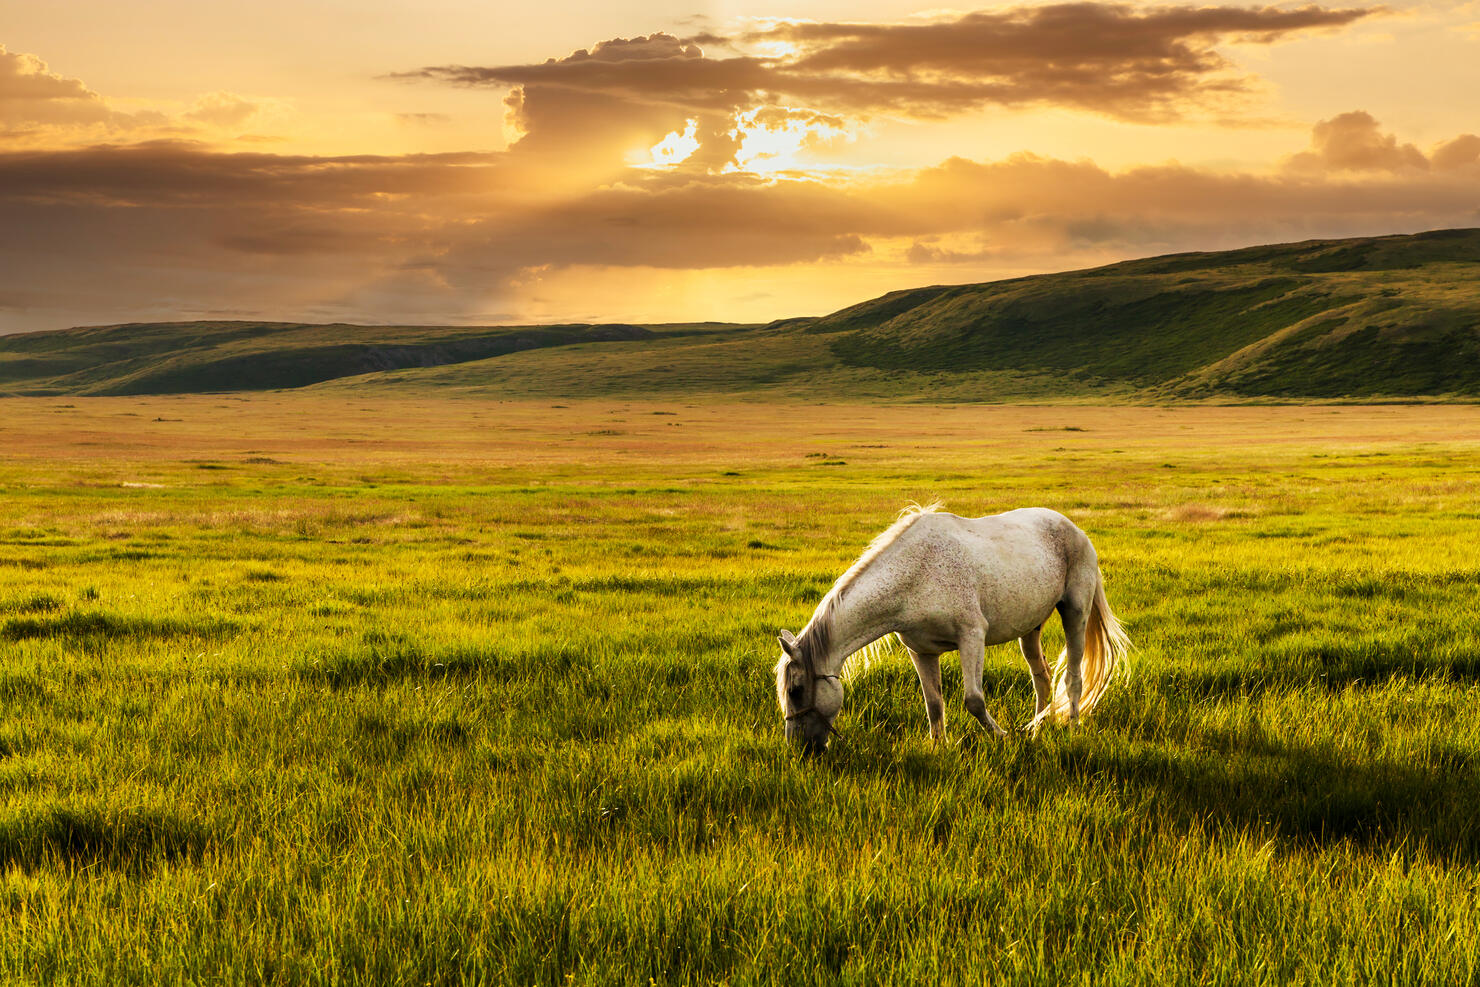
[(674, 149), (766, 141), (665, 175), (775, 139)]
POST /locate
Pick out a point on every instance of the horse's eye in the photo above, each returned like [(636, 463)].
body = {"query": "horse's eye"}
[(795, 695)]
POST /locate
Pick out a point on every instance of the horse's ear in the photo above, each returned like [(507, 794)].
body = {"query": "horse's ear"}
[(789, 644)]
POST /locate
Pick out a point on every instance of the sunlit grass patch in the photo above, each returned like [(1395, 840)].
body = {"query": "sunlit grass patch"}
[(498, 714), (381, 658)]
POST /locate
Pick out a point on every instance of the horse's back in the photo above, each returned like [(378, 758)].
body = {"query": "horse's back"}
[(1028, 536), (1053, 531), (1016, 565)]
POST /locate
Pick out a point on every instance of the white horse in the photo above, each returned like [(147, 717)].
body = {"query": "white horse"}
[(942, 583)]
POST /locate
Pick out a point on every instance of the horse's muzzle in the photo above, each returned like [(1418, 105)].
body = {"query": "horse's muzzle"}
[(810, 733)]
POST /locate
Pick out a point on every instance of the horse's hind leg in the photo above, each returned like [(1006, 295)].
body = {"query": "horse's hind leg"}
[(928, 668), (1032, 645), (973, 655), (1075, 616)]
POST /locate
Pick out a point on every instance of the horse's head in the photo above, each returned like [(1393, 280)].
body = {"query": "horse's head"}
[(809, 701)]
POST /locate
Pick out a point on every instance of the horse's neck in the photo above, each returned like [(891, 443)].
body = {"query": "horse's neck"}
[(857, 618)]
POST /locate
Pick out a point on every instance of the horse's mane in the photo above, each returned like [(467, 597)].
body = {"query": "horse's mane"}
[(816, 637)]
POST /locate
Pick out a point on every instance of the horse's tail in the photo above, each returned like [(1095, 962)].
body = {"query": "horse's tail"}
[(1106, 645)]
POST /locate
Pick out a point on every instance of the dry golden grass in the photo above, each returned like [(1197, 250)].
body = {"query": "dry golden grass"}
[(299, 429)]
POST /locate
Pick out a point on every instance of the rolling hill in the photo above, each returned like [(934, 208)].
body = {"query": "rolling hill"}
[(189, 357), (1373, 317), (1382, 316)]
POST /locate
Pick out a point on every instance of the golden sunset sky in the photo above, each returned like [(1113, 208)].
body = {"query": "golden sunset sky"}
[(459, 161)]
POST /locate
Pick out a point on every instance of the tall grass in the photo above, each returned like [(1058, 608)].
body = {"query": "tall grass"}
[(493, 707)]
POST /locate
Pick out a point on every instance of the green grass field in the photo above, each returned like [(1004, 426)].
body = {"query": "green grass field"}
[(345, 689)]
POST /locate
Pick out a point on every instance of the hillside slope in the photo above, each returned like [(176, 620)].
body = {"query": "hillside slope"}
[(1373, 317), (186, 357), (1384, 316)]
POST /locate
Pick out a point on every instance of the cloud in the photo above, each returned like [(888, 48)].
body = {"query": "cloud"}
[(1461, 152), (175, 230), (1026, 205), (186, 174), (39, 107), (594, 109), (221, 109), (1354, 142), (687, 224), (423, 119), (594, 128), (31, 93), (655, 69), (1122, 61), (636, 49)]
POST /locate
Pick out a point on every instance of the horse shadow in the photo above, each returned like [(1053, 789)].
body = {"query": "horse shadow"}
[(1314, 793), (1229, 780), (1308, 795)]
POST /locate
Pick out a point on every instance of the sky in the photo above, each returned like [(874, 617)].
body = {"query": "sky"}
[(468, 162)]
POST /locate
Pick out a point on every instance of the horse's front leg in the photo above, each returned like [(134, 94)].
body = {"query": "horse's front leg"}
[(928, 668), (973, 645)]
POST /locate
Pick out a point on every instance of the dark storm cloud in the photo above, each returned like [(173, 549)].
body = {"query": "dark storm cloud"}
[(1127, 62)]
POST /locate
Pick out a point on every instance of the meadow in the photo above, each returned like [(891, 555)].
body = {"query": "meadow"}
[(346, 688)]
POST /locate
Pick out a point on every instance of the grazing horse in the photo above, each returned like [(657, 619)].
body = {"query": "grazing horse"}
[(943, 583)]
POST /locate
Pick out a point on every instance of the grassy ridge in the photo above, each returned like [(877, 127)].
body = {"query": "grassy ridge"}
[(1362, 318), (468, 692), (1375, 316), (195, 357)]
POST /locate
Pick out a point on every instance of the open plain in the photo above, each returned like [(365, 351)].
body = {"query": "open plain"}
[(334, 688)]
